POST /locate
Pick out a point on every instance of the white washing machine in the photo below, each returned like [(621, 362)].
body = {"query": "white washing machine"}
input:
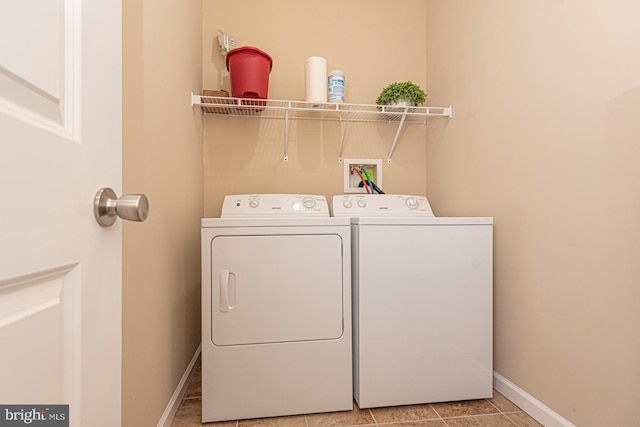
[(276, 309), (422, 302)]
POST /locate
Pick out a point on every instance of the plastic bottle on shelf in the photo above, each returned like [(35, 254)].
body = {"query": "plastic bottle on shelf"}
[(336, 86)]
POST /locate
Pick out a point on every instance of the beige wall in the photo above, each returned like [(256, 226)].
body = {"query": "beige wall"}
[(546, 138), (373, 43), (162, 152)]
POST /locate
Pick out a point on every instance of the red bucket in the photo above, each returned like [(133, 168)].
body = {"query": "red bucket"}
[(249, 70)]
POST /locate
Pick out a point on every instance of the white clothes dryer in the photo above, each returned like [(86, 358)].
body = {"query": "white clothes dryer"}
[(422, 302), (276, 308)]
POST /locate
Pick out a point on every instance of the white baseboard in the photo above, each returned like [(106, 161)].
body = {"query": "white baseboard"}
[(174, 403), (529, 404)]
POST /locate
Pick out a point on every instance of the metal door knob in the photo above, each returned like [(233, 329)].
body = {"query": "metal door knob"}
[(108, 207)]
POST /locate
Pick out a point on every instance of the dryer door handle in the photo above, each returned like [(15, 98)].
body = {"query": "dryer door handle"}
[(227, 283)]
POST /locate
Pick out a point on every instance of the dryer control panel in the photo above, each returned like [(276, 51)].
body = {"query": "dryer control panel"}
[(381, 205), (274, 206)]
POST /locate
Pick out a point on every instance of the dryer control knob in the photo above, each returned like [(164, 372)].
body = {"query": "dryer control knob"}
[(362, 203), (254, 203), (347, 204), (309, 202), (412, 203)]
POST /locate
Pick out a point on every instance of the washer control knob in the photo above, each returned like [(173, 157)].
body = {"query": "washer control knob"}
[(362, 203), (411, 203), (254, 203), (309, 202), (347, 203)]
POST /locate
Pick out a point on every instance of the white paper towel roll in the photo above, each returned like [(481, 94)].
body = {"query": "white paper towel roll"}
[(315, 79)]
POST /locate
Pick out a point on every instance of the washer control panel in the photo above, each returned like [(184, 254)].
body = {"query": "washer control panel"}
[(380, 205), (274, 205)]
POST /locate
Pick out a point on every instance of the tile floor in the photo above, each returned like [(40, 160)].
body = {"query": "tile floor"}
[(495, 412)]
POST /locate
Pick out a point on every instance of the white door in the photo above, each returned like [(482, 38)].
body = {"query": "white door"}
[(60, 141)]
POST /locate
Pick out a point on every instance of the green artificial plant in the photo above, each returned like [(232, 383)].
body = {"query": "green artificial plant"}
[(396, 92)]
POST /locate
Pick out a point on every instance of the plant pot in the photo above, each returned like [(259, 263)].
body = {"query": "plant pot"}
[(398, 107)]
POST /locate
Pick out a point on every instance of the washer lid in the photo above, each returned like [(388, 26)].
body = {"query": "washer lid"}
[(381, 205), (421, 221), (274, 206)]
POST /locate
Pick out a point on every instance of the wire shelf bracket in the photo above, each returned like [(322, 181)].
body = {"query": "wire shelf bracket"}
[(344, 137)]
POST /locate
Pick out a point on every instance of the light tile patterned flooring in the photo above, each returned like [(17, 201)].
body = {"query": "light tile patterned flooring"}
[(495, 412)]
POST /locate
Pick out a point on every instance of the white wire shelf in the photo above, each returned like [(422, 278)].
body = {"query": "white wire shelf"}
[(301, 110)]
